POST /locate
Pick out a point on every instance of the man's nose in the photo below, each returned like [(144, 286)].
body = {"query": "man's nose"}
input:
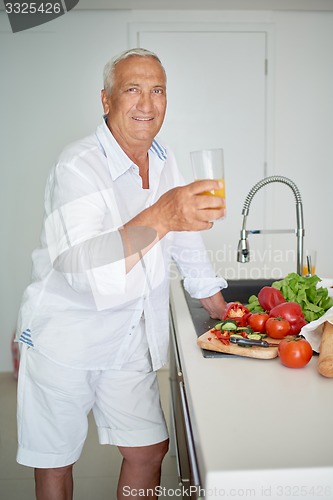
[(145, 102)]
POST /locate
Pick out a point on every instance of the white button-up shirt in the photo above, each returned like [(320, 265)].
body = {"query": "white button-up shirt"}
[(82, 309)]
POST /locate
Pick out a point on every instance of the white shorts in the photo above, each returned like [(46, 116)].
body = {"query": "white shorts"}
[(54, 402)]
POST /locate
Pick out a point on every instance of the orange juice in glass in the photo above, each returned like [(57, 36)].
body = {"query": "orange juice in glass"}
[(310, 255), (209, 164), (217, 192)]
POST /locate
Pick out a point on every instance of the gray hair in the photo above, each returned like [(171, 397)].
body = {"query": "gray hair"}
[(109, 68)]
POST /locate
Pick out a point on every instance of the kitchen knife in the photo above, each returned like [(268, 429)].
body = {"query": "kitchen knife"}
[(243, 342)]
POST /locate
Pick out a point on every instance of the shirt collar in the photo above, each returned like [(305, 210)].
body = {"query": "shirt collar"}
[(159, 150), (118, 161)]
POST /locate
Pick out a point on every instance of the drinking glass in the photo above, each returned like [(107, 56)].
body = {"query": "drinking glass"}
[(310, 255), (209, 164)]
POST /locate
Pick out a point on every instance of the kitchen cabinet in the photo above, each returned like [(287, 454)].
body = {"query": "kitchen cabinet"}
[(182, 439), (258, 429)]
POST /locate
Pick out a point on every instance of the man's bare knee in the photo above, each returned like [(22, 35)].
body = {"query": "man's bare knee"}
[(56, 472), (144, 455)]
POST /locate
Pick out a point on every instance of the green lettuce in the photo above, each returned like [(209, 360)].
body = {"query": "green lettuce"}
[(253, 305)]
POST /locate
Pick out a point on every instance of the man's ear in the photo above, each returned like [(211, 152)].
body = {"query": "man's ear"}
[(105, 101)]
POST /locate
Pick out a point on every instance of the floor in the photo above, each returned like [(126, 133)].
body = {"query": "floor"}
[(95, 474)]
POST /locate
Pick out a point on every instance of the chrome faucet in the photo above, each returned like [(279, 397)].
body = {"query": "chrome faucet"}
[(243, 252)]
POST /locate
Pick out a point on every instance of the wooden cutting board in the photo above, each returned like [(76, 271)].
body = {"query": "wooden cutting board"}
[(208, 341)]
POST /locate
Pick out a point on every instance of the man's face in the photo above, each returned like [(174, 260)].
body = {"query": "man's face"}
[(137, 103)]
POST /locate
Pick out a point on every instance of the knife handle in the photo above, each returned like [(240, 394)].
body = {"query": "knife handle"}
[(249, 342)]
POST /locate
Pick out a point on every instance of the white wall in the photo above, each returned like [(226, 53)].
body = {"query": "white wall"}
[(50, 83), (304, 121), (50, 86)]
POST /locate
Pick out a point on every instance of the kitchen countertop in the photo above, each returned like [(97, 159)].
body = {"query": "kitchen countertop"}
[(261, 430)]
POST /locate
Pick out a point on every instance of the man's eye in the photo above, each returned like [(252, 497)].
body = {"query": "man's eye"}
[(158, 91), (132, 90)]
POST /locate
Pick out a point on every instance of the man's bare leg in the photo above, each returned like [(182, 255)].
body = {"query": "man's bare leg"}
[(54, 484), (141, 469)]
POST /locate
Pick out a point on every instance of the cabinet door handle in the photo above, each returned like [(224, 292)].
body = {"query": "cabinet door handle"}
[(175, 348), (181, 479), (188, 430), (189, 437)]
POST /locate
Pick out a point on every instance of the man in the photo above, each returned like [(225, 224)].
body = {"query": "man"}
[(94, 322)]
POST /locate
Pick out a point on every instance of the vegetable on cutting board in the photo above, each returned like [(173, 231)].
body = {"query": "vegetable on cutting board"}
[(227, 329), (229, 325), (277, 328), (257, 322), (237, 312), (227, 342)]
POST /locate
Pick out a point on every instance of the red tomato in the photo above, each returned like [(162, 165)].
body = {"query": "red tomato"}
[(295, 353), (257, 322), (292, 312), (277, 328)]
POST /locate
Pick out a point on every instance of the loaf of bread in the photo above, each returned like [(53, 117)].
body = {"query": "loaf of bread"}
[(325, 360)]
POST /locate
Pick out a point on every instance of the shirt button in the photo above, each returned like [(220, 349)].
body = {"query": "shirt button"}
[(132, 329)]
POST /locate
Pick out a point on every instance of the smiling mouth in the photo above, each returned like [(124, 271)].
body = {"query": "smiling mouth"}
[(138, 119)]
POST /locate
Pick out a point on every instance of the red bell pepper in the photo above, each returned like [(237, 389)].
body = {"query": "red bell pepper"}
[(270, 297), (237, 312), (223, 336), (292, 312)]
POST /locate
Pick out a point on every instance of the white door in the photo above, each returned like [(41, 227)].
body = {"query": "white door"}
[(217, 92)]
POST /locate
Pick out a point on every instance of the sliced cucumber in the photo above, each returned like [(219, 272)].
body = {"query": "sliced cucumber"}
[(245, 329), (237, 335), (228, 325), (254, 336)]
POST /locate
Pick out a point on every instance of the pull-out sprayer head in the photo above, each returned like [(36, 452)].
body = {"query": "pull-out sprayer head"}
[(243, 251)]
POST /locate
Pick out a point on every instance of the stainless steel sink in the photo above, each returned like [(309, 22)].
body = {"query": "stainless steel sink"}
[(241, 290), (238, 290)]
